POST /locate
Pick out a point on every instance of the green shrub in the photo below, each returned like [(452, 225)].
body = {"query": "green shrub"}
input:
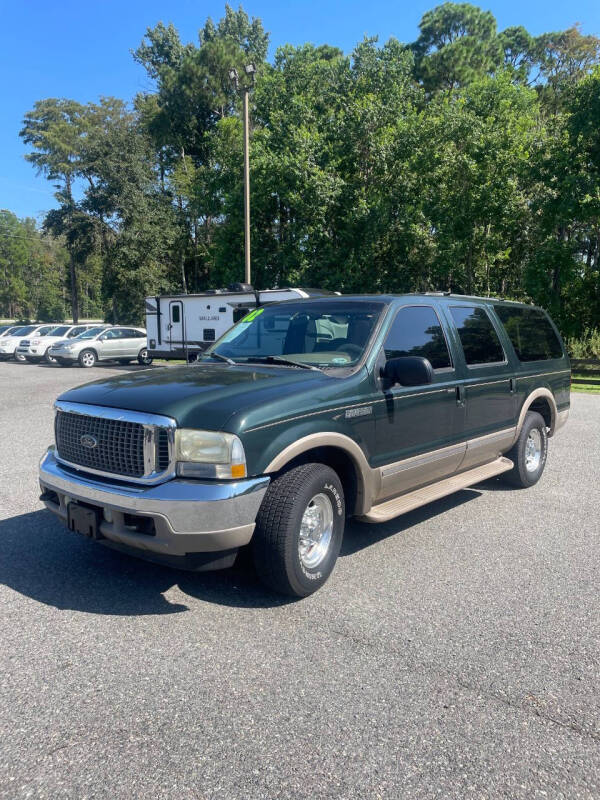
[(588, 346)]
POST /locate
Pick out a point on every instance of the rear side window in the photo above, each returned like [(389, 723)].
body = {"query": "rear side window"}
[(478, 337), (416, 331), (530, 332)]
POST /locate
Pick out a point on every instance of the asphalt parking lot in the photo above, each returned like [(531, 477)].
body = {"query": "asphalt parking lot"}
[(455, 652)]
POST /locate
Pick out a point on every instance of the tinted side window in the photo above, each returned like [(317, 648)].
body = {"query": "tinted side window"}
[(416, 331), (530, 332), (479, 340)]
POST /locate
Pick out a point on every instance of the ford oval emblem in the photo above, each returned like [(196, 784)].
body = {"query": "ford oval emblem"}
[(89, 441)]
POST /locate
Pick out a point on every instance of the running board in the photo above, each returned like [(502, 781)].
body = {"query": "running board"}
[(434, 491)]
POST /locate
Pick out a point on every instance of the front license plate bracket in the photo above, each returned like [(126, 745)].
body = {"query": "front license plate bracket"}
[(84, 520)]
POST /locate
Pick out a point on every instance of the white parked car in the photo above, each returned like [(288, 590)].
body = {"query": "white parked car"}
[(9, 344), (36, 348), (8, 330), (118, 343)]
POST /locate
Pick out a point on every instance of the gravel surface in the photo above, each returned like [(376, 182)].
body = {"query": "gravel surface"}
[(454, 653)]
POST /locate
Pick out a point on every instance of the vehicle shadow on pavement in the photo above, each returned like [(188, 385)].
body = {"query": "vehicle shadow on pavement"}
[(359, 535), (40, 559)]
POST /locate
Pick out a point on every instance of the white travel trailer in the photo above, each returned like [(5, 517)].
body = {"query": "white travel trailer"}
[(183, 325)]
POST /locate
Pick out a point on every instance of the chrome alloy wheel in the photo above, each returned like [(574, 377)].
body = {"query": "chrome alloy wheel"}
[(316, 529), (533, 450), (88, 359)]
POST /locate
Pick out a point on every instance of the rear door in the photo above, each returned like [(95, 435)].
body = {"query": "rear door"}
[(487, 382), (133, 342), (176, 323), (419, 428)]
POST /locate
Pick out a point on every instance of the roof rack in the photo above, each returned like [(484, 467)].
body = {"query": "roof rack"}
[(437, 294)]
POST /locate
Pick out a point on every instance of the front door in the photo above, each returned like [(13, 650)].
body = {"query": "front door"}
[(110, 344), (419, 428), (176, 323)]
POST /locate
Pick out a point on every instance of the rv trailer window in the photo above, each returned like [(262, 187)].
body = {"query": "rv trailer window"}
[(175, 313), (239, 313)]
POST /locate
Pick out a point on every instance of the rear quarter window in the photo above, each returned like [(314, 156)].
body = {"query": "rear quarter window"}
[(530, 333)]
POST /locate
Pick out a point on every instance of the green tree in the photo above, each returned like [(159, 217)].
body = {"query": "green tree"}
[(457, 44), (55, 129)]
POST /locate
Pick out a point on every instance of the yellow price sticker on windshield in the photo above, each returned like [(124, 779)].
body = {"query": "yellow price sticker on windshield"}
[(253, 314)]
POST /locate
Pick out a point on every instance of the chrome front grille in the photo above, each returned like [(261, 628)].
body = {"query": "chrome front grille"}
[(162, 450), (114, 442), (119, 447)]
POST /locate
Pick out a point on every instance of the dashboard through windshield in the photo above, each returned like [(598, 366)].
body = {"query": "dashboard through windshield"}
[(305, 333)]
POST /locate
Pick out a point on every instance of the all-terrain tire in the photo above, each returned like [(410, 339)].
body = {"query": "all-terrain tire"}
[(276, 542), (529, 453)]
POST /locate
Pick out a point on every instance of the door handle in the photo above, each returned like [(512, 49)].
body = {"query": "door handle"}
[(460, 396), (513, 385)]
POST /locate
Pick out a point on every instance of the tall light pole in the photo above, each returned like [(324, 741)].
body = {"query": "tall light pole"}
[(250, 70)]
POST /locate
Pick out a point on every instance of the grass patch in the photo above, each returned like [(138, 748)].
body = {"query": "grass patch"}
[(591, 385)]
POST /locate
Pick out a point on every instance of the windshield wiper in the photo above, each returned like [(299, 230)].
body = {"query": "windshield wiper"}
[(282, 360), (223, 358)]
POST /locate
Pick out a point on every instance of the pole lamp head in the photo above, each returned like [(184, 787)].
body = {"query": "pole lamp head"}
[(250, 70), (233, 76)]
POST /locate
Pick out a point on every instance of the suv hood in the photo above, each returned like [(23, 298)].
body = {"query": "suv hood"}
[(203, 396)]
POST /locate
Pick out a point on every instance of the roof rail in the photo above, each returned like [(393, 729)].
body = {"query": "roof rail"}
[(438, 294)]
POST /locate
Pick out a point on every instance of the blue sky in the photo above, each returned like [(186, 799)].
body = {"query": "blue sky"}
[(81, 50)]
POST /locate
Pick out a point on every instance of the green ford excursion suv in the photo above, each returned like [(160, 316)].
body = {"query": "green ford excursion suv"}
[(303, 414)]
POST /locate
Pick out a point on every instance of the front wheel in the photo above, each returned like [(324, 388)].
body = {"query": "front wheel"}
[(299, 530), (529, 452), (87, 358), (19, 357), (48, 358), (144, 359)]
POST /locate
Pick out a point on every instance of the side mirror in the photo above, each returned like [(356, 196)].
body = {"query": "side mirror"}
[(407, 371)]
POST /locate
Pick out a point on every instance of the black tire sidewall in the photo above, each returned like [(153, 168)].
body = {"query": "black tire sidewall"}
[(303, 580), (532, 420), (80, 359), (145, 361)]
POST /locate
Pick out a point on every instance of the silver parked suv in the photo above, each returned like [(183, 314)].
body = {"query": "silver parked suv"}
[(118, 343)]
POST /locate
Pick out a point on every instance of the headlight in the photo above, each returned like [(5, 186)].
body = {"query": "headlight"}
[(67, 346), (209, 454)]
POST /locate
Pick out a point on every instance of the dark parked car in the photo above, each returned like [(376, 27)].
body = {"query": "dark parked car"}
[(304, 413)]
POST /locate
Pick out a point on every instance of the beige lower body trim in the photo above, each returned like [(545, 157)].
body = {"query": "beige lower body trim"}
[(403, 476), (427, 494)]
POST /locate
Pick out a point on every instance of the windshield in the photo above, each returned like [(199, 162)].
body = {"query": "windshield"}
[(90, 334), (61, 331), (9, 331), (45, 331), (23, 331), (321, 333)]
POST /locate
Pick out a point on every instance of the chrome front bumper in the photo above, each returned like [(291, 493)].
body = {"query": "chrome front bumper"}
[(189, 516)]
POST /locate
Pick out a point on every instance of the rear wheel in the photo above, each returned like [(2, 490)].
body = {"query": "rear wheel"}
[(299, 530), (87, 358), (529, 452), (143, 358)]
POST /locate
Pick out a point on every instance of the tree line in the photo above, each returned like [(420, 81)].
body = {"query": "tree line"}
[(467, 160)]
